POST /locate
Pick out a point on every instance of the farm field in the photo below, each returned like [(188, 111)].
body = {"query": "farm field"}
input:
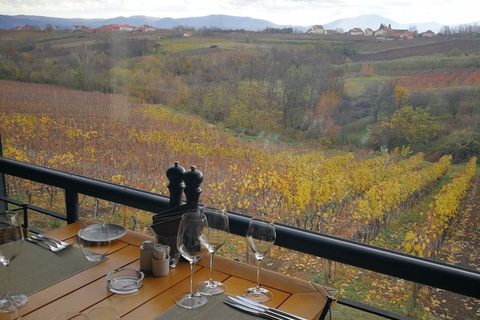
[(419, 49), (360, 195)]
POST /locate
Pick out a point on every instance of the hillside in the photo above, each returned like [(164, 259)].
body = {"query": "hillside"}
[(112, 138)]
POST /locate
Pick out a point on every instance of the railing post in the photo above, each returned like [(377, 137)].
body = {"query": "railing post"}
[(3, 184), (71, 206)]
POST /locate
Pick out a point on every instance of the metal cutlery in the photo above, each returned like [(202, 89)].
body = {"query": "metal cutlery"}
[(249, 303), (44, 243), (48, 240), (260, 310), (252, 311), (57, 241)]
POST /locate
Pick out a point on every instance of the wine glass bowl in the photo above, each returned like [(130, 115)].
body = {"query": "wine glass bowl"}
[(192, 227), (12, 241), (216, 237), (94, 240), (260, 237)]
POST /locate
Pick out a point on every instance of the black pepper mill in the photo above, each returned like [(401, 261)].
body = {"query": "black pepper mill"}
[(176, 185), (193, 179)]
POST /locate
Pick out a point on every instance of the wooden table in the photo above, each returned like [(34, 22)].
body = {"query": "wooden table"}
[(87, 289)]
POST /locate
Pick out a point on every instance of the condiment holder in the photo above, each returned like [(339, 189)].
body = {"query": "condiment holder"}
[(161, 260), (155, 259)]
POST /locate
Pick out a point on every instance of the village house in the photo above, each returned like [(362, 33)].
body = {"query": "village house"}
[(125, 27), (79, 28), (107, 29), (427, 34), (145, 28), (355, 32), (387, 33), (317, 29), (368, 32)]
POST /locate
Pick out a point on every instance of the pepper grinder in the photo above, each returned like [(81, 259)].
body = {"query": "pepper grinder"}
[(175, 185), (193, 179)]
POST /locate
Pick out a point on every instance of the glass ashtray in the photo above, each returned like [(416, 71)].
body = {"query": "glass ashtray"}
[(125, 280)]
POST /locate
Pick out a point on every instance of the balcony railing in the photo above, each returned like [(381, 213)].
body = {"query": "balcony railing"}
[(424, 271)]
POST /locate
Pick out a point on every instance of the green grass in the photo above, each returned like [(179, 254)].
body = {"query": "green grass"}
[(355, 85)]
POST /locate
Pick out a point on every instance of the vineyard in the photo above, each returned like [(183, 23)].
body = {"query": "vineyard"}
[(350, 195), (442, 79)]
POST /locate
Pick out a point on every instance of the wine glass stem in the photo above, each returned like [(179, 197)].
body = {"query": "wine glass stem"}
[(8, 278), (259, 267), (212, 254), (192, 267)]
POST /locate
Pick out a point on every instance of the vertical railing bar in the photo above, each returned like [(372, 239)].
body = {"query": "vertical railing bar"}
[(3, 183), (25, 215), (71, 206)]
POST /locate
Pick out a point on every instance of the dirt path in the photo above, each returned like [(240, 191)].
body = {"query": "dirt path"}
[(463, 249)]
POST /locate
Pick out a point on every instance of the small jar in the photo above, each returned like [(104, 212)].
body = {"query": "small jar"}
[(146, 254)]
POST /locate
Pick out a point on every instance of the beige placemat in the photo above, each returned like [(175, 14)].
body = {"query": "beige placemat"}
[(36, 268), (215, 309)]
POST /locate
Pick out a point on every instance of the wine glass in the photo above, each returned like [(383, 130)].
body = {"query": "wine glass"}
[(94, 239), (11, 244), (215, 238), (103, 313), (71, 316), (260, 237), (9, 310), (192, 226)]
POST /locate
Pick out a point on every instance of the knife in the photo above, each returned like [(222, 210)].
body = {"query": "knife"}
[(247, 302), (261, 308), (252, 311)]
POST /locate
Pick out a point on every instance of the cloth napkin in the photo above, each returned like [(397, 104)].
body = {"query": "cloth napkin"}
[(213, 310)]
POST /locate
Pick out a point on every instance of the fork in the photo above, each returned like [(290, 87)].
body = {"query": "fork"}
[(41, 242), (57, 241), (48, 240)]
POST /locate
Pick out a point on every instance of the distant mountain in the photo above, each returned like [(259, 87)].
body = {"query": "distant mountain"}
[(373, 22), (220, 21), (9, 22)]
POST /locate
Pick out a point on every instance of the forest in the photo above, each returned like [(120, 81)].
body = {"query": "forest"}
[(382, 152)]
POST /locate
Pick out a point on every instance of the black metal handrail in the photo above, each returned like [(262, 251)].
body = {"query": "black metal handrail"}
[(429, 272)]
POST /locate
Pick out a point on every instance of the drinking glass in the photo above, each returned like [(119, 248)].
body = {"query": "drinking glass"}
[(103, 313), (9, 311), (215, 238), (71, 316), (11, 244), (260, 236), (192, 226), (94, 239)]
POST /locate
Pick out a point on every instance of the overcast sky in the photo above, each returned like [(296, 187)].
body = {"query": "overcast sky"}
[(283, 12)]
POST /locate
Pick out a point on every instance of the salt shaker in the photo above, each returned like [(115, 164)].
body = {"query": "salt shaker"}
[(146, 254)]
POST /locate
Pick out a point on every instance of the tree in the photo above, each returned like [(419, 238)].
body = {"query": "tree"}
[(453, 99), (83, 55), (401, 96), (381, 97), (253, 112), (214, 108), (408, 127), (413, 29)]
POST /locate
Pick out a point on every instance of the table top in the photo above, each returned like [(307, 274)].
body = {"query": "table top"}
[(87, 289)]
